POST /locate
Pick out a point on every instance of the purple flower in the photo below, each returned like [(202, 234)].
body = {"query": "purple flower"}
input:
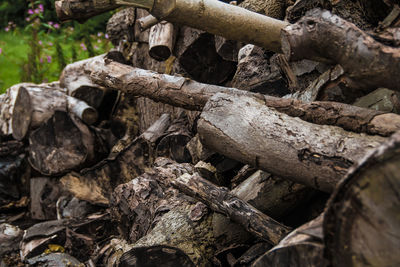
[(50, 43), (41, 7), (48, 59), (99, 41), (96, 47), (1, 50), (7, 29), (28, 19), (50, 23), (83, 46), (37, 11), (106, 36), (56, 25), (99, 34), (40, 42), (30, 12), (41, 60)]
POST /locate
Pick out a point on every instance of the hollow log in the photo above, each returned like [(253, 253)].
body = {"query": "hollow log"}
[(361, 224), (221, 200), (161, 40), (302, 247), (81, 10), (319, 155), (124, 163), (155, 217), (367, 63), (63, 143), (182, 92)]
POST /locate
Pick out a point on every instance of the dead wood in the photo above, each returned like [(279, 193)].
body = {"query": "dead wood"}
[(182, 92), (64, 143), (153, 215), (81, 10), (161, 40), (126, 162), (44, 193), (220, 200), (147, 22), (319, 155), (361, 223), (367, 63), (302, 247)]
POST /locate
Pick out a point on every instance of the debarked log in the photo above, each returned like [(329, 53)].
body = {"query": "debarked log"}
[(81, 10), (362, 223), (161, 40), (26, 106), (221, 200), (322, 36), (192, 95), (318, 155)]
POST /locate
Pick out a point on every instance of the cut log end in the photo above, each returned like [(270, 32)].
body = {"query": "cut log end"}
[(21, 117), (160, 52)]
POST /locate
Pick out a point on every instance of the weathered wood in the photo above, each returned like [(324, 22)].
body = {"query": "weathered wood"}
[(10, 236), (81, 10), (151, 214), (182, 92), (221, 200), (361, 224), (319, 155), (367, 63), (161, 40), (121, 27), (125, 162), (302, 247), (63, 143), (44, 193), (147, 22)]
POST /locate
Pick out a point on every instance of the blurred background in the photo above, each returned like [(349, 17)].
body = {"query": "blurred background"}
[(35, 46)]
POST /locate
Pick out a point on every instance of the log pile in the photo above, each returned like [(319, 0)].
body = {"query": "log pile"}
[(268, 137)]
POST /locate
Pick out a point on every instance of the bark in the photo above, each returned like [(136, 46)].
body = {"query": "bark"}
[(319, 155), (367, 63), (121, 27), (161, 41), (181, 92), (221, 200), (126, 162), (363, 209), (81, 10), (63, 143), (196, 53), (302, 247), (27, 106), (153, 215)]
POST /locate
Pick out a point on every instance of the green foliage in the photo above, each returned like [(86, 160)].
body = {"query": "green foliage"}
[(40, 50)]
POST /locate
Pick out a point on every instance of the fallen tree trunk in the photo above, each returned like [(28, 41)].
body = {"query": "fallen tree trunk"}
[(182, 92), (220, 200), (81, 10), (302, 247), (321, 36), (318, 155), (362, 223)]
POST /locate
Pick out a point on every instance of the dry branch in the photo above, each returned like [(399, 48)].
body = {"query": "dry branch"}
[(322, 36), (192, 95), (221, 200), (81, 10)]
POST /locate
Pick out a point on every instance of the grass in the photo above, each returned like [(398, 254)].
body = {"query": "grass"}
[(15, 50)]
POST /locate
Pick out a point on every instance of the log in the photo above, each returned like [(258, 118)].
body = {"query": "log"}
[(192, 95), (319, 155), (361, 223), (367, 63), (10, 236), (161, 40), (126, 162), (27, 106), (302, 247), (121, 28), (147, 22), (63, 143), (156, 218), (44, 193), (220, 200), (81, 10)]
